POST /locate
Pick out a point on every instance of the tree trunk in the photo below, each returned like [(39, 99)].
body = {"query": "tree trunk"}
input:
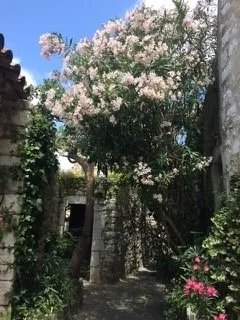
[(82, 248)]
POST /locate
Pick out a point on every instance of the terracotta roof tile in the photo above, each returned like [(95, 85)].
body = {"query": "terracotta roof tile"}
[(12, 85)]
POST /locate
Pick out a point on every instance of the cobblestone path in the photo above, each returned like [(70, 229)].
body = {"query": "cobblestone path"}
[(139, 297)]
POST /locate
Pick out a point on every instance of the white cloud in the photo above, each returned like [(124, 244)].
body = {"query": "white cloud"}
[(156, 4), (29, 77), (24, 72)]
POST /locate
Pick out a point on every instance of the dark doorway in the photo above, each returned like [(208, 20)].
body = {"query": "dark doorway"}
[(76, 219)]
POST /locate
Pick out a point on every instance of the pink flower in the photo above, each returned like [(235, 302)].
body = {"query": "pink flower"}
[(199, 288), (197, 260), (51, 44), (221, 316), (206, 268), (211, 291), (192, 285), (196, 267)]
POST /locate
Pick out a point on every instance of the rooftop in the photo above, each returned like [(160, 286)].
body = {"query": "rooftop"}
[(13, 86)]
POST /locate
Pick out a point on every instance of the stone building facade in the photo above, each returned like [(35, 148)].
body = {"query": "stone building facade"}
[(13, 117), (229, 86)]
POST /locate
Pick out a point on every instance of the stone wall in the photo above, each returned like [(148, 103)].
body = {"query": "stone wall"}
[(229, 81), (13, 117), (116, 243)]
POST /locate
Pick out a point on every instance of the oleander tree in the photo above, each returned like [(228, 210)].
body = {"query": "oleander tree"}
[(131, 99)]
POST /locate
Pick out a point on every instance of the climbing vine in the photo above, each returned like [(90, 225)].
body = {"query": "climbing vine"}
[(36, 292)]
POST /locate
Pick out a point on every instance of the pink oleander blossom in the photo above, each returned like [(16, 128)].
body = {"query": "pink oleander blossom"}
[(114, 26), (193, 285), (197, 260), (210, 291), (221, 316), (51, 44), (83, 46), (196, 267)]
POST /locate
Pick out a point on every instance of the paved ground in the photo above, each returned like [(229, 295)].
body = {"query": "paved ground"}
[(138, 297)]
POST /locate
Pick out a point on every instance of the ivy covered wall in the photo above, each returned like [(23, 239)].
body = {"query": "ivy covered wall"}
[(13, 117)]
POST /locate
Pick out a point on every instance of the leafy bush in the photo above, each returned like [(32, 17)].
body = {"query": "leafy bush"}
[(55, 291), (196, 289), (39, 292), (215, 270), (104, 185), (72, 181), (223, 249)]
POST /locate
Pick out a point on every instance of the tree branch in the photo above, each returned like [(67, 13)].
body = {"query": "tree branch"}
[(172, 225), (76, 158)]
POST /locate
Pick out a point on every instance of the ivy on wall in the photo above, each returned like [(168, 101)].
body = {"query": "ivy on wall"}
[(37, 163)]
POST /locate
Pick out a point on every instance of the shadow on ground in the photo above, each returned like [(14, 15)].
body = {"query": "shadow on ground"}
[(139, 297)]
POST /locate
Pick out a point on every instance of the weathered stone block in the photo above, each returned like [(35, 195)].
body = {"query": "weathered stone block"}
[(97, 233), (8, 240), (95, 259), (6, 272), (13, 203), (95, 275), (97, 244), (20, 117), (79, 199), (9, 161), (13, 186), (8, 148), (6, 256), (5, 291)]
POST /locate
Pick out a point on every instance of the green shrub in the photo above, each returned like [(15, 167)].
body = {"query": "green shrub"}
[(223, 249), (55, 292), (71, 181), (41, 290), (218, 266), (195, 289)]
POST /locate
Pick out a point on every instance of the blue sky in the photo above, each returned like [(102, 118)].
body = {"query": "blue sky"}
[(24, 21)]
